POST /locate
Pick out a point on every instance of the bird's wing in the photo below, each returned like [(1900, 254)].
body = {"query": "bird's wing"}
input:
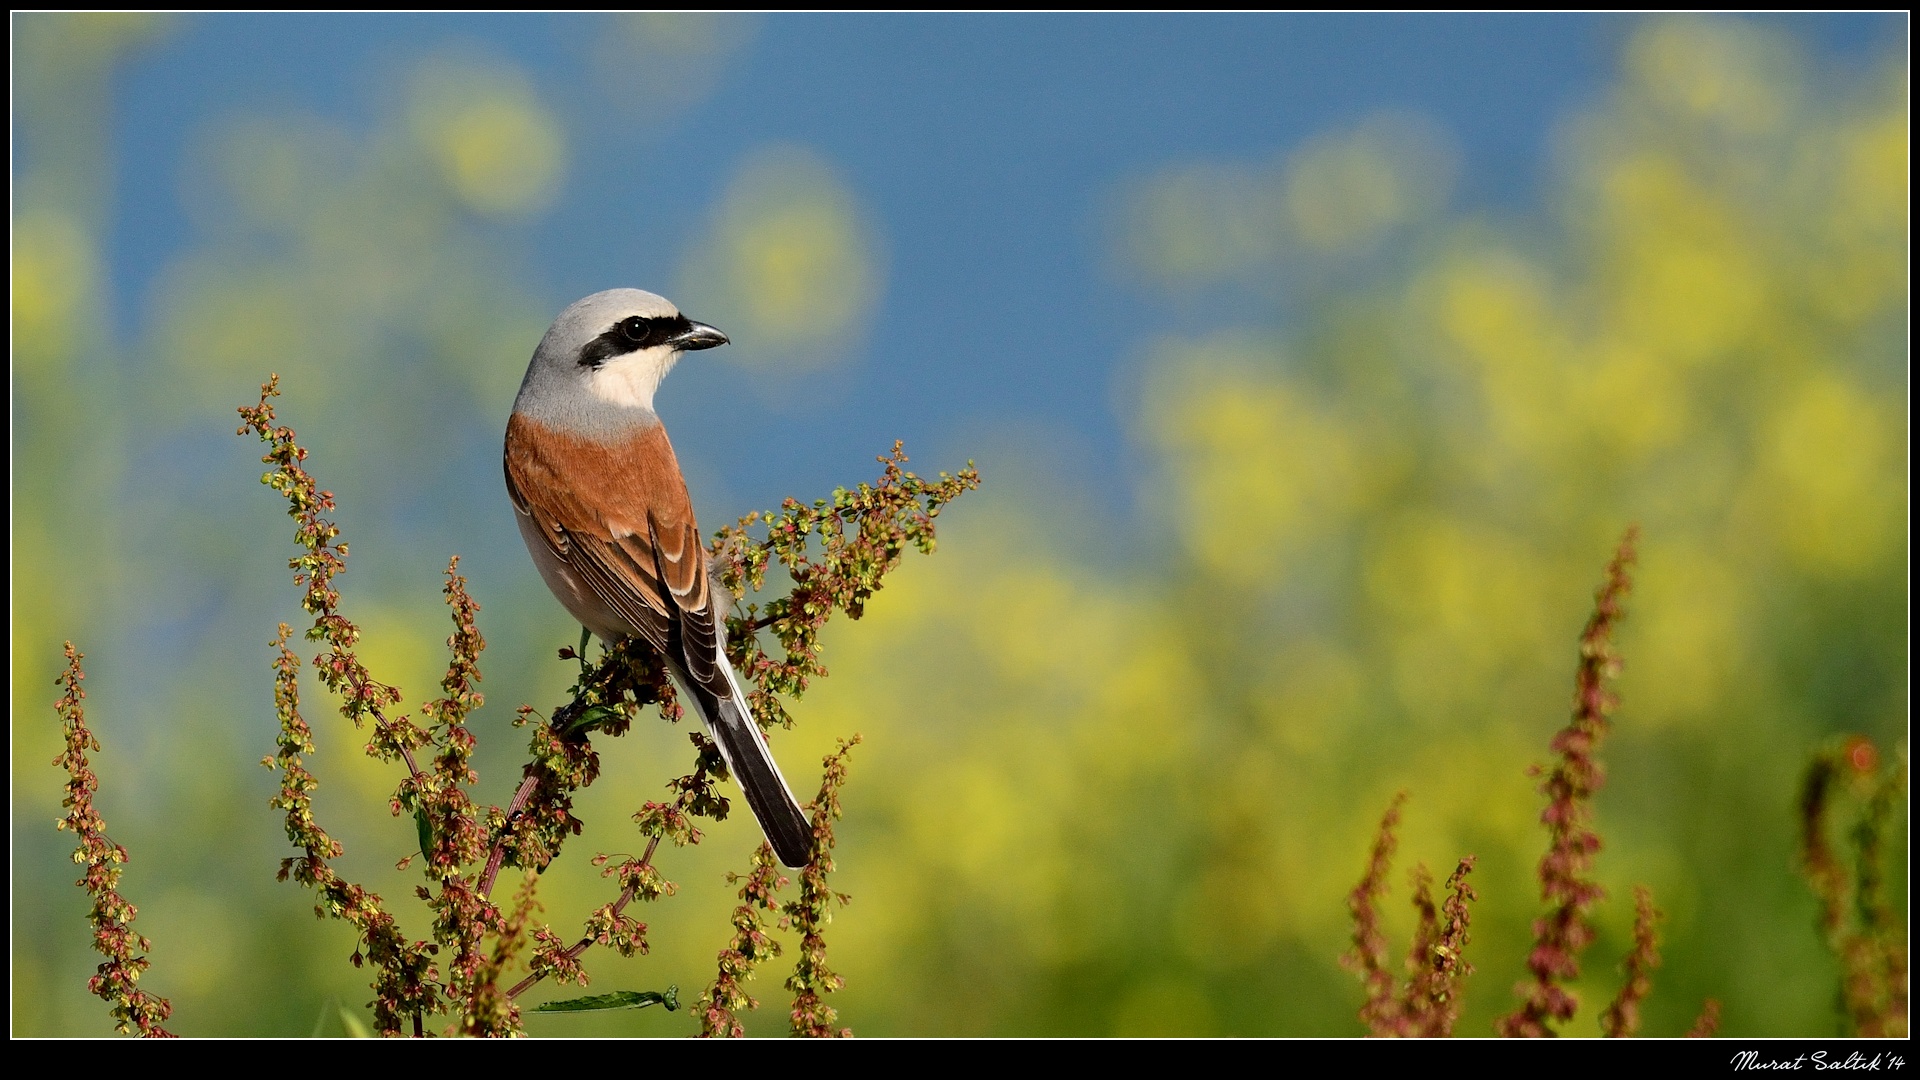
[(617, 514)]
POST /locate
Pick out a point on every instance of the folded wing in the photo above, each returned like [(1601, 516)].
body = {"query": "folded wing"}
[(616, 515)]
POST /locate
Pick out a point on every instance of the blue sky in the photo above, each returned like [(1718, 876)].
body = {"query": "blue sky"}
[(989, 149)]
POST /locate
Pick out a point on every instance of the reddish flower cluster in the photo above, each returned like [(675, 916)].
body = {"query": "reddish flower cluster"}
[(404, 979), (604, 699), (454, 833), (116, 981), (1570, 785), (453, 836), (488, 1010), (1369, 954), (1437, 961), (1857, 918), (812, 980), (863, 534), (1708, 1021), (722, 1003), (1428, 1003), (609, 925), (1622, 1017)]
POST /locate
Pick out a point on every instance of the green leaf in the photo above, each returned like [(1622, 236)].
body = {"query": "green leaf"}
[(619, 999), (592, 718), (355, 1027), (425, 829)]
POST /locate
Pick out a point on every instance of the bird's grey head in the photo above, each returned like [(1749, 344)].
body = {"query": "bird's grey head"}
[(610, 349)]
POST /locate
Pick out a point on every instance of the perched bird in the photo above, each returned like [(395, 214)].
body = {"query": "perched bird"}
[(605, 513)]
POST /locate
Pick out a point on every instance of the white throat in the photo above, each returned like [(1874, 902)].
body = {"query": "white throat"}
[(630, 380)]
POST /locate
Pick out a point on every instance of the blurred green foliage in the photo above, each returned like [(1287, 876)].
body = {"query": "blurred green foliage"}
[(1091, 801)]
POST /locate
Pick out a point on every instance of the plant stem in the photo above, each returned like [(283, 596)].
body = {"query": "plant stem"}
[(626, 897), (499, 852), (380, 721)]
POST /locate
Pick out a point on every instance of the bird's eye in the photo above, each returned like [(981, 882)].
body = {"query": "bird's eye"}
[(634, 329)]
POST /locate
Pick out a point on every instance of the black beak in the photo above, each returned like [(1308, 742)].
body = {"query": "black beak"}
[(696, 336)]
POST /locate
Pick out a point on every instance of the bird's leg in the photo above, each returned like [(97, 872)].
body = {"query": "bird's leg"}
[(586, 635)]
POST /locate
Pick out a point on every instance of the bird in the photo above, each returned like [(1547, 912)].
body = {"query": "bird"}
[(604, 510)]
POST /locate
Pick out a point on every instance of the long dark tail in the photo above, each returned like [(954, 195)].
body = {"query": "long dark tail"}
[(751, 763)]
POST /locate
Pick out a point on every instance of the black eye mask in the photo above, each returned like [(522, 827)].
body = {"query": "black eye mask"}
[(632, 334)]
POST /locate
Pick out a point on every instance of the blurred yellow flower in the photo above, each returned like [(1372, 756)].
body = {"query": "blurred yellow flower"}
[(1346, 191), (499, 149), (55, 274), (789, 265)]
